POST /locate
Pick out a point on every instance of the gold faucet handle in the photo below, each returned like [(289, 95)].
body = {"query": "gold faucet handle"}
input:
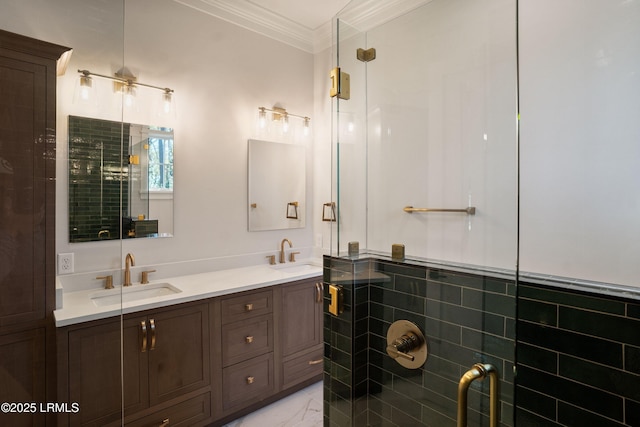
[(292, 256), (108, 284), (145, 276), (272, 259)]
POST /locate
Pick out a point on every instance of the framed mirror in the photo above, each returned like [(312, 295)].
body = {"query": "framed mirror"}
[(277, 182), (107, 159)]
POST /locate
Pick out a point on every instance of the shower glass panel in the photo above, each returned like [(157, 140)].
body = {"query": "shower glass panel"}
[(430, 123)]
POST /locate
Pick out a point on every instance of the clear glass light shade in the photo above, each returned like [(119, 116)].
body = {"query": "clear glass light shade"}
[(167, 102), (85, 91), (262, 118), (129, 93), (306, 126), (86, 88)]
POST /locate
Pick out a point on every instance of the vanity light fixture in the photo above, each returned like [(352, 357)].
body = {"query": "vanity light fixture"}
[(126, 84), (282, 115), (86, 85)]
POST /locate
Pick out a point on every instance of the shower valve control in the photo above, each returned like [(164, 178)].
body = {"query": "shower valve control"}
[(400, 347), (406, 344)]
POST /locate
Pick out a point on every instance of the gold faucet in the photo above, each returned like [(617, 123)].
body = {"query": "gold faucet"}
[(128, 262), (282, 259)]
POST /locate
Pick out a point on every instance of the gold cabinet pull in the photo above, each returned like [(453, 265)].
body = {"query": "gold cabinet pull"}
[(164, 423), (250, 380), (152, 326), (248, 307), (143, 328), (248, 339), (315, 362), (319, 291)]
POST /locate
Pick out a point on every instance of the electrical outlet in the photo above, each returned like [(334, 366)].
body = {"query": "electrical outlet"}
[(65, 263)]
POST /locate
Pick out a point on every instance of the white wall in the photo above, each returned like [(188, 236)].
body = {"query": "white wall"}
[(221, 74), (438, 131), (579, 87), (580, 139), (443, 78)]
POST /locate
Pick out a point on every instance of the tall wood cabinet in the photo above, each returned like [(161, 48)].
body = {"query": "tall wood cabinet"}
[(27, 223)]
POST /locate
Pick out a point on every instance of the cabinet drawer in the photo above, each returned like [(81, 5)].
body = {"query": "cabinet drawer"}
[(188, 413), (247, 305), (302, 367), (244, 340), (248, 380)]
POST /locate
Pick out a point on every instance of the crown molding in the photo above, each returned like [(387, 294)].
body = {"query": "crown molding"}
[(360, 16), (254, 18)]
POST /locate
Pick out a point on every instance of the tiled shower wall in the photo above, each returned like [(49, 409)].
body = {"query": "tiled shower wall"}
[(578, 353), (466, 318), (95, 174), (578, 358)]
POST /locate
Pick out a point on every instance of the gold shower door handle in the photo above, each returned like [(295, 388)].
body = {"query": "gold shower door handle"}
[(478, 371)]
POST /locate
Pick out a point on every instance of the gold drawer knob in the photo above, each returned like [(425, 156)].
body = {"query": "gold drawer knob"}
[(248, 307), (250, 380), (248, 339)]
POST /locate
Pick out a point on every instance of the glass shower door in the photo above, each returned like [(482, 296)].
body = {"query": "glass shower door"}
[(425, 178)]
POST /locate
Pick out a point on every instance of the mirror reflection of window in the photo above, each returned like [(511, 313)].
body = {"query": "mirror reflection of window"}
[(160, 151)]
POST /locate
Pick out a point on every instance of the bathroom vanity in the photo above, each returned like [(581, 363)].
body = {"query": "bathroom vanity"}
[(200, 362)]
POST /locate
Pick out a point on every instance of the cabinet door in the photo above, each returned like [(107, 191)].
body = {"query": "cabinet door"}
[(301, 316), (23, 186), (95, 375), (178, 352), (22, 360)]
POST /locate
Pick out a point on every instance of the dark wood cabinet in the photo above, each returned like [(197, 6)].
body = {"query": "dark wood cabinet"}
[(268, 344), (27, 223), (301, 331), (95, 374), (166, 368), (246, 335), (195, 363)]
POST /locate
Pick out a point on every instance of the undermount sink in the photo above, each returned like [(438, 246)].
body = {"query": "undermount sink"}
[(132, 293), (296, 267)]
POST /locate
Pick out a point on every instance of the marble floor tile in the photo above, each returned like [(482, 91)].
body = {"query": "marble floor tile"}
[(301, 409)]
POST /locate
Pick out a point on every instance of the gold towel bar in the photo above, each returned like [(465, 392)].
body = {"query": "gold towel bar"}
[(471, 210)]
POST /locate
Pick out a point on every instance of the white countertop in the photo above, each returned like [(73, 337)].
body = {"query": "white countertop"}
[(79, 306)]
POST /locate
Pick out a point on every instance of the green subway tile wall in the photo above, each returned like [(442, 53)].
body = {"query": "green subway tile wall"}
[(578, 358), (466, 319), (97, 175), (578, 352)]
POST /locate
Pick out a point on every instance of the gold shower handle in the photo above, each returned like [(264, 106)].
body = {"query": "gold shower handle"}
[(406, 344), (479, 371), (400, 347)]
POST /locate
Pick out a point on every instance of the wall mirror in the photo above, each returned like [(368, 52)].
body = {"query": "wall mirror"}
[(107, 159), (277, 181)]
